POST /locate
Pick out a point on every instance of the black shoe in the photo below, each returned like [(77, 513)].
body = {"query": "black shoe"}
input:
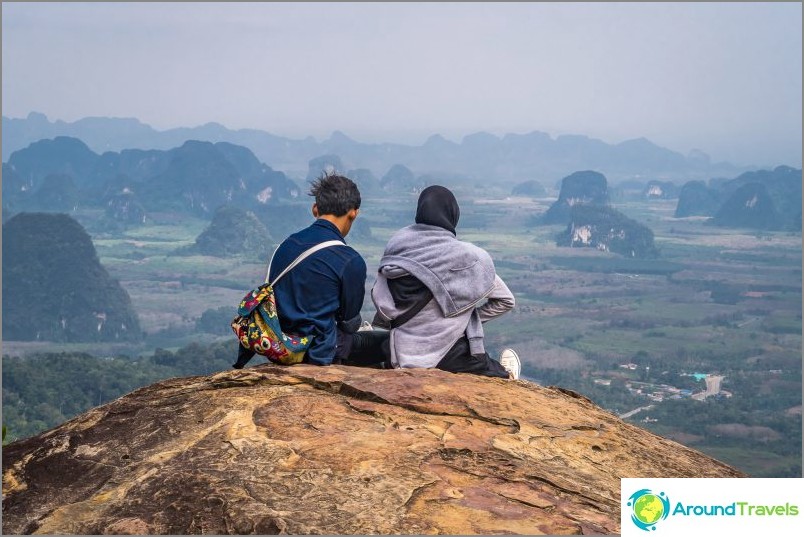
[(244, 355)]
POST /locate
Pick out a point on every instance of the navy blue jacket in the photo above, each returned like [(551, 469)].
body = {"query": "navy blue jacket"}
[(322, 293)]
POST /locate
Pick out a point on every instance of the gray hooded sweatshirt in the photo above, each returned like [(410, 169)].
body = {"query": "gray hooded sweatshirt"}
[(466, 292)]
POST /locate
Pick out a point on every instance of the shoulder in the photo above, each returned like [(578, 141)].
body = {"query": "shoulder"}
[(402, 235), (350, 252), (469, 261), (476, 251), (351, 257), (353, 267)]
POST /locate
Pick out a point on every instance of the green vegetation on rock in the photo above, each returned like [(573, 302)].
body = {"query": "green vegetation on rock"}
[(607, 229), (233, 231), (54, 286)]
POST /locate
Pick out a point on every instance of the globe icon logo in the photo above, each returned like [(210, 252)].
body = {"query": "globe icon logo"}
[(648, 508)]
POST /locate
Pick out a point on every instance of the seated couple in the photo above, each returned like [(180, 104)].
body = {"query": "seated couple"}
[(432, 294)]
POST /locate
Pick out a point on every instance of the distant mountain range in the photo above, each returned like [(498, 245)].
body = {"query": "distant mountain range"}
[(511, 159), (196, 177), (63, 174)]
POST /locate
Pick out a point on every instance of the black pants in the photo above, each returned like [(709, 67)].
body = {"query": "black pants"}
[(460, 360), (369, 348)]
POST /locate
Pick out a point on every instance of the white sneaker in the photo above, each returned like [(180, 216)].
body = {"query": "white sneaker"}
[(509, 359), (365, 326)]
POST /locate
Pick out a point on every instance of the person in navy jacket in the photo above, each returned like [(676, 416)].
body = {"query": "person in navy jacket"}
[(322, 296)]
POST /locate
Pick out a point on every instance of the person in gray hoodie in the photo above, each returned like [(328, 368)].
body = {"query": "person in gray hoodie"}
[(434, 292)]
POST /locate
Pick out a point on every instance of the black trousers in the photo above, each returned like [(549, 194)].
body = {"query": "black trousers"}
[(460, 360), (369, 348)]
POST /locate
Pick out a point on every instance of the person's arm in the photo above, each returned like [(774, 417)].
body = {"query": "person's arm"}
[(353, 290), (498, 302)]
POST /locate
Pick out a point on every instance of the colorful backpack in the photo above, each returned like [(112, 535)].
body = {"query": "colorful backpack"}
[(257, 323)]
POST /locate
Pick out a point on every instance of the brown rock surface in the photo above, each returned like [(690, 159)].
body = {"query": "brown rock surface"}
[(336, 450)]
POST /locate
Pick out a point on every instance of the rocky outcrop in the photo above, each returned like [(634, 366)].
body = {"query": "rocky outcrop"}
[(336, 450), (325, 164), (580, 188), (400, 178), (764, 199), (608, 230), (233, 231), (749, 206), (125, 209), (696, 199), (664, 190)]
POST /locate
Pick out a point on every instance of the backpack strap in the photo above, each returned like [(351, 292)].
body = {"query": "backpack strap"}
[(409, 313), (302, 257)]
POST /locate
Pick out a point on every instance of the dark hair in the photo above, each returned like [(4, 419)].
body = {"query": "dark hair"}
[(335, 194)]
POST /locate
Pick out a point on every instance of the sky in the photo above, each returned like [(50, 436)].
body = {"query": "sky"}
[(724, 78)]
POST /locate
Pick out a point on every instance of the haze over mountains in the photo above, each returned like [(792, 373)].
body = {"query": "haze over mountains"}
[(480, 156), (63, 175)]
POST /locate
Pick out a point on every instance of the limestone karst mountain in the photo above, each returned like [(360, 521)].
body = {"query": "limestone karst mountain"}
[(399, 178), (336, 450), (603, 228), (323, 164), (55, 287), (585, 187), (764, 199), (531, 188), (583, 205), (697, 199), (233, 231)]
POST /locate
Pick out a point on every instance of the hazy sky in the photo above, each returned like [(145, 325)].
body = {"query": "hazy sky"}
[(721, 77)]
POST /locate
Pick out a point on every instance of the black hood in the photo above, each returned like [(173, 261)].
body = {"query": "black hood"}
[(438, 207)]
